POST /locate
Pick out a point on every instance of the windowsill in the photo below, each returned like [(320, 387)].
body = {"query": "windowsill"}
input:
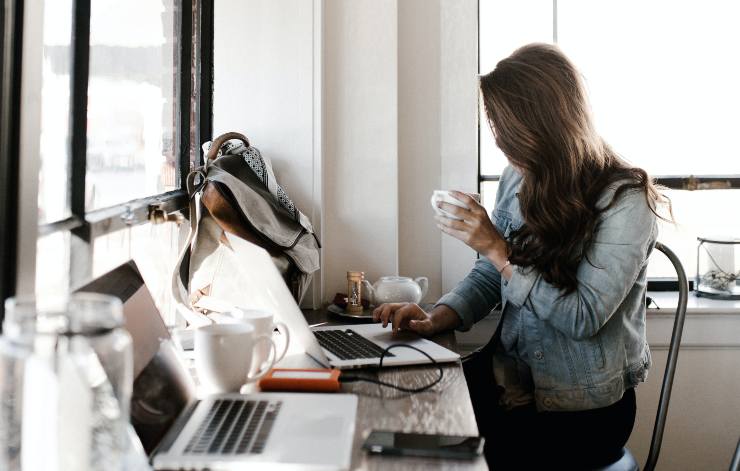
[(710, 323), (668, 300)]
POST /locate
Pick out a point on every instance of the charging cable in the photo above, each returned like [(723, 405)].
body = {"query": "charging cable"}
[(346, 378)]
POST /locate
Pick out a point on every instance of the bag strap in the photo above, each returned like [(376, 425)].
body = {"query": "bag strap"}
[(221, 140)]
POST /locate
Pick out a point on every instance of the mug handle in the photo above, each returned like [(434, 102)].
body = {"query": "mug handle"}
[(283, 329), (271, 360)]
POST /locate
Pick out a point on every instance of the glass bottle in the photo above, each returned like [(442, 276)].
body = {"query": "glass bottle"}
[(66, 373)]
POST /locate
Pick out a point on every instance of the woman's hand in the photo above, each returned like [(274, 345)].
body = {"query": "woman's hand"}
[(475, 229), (409, 316)]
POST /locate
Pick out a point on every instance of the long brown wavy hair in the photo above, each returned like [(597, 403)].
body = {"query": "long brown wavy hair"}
[(539, 115)]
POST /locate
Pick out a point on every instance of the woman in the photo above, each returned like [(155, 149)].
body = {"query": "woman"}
[(565, 255)]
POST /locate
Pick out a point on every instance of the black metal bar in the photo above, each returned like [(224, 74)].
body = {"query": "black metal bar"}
[(10, 105), (105, 221), (80, 251), (676, 182), (205, 85), (735, 465), (699, 182), (488, 178), (78, 109), (672, 361), (69, 224), (185, 89), (666, 284)]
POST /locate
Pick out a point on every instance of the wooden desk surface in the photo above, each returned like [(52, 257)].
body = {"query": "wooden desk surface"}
[(444, 409)]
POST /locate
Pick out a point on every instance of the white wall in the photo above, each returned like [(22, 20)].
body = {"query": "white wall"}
[(365, 108), (360, 140), (264, 86), (703, 423)]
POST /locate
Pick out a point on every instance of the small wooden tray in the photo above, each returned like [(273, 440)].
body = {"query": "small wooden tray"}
[(366, 314)]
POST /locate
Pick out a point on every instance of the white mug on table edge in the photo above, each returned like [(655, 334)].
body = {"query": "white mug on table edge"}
[(445, 196), (264, 324), (224, 354)]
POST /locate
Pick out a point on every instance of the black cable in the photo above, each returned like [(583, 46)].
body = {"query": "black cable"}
[(344, 378)]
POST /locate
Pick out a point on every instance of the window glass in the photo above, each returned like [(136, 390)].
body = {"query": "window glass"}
[(132, 100), (663, 83), (651, 95), (154, 248), (52, 264), (54, 144), (505, 26)]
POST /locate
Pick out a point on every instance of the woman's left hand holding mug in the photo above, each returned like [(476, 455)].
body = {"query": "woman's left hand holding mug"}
[(474, 229)]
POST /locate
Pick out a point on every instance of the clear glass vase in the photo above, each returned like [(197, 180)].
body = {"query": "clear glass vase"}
[(66, 370), (718, 267)]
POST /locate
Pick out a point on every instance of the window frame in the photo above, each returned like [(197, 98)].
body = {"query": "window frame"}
[(194, 114), (11, 45), (700, 182)]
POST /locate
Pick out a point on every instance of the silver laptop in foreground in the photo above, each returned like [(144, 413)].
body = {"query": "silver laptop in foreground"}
[(339, 346), (226, 431)]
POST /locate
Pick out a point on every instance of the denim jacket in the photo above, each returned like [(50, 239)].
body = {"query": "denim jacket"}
[(583, 349)]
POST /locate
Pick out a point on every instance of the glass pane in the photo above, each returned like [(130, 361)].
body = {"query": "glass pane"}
[(132, 100), (504, 27), (646, 66), (52, 264), (488, 195), (53, 173), (697, 214), (154, 248)]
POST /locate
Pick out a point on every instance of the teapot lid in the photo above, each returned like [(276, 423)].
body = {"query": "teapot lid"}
[(395, 278)]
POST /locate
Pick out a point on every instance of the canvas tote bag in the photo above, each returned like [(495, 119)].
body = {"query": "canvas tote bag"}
[(236, 191)]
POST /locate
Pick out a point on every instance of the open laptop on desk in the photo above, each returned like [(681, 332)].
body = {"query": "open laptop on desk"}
[(225, 431), (254, 283)]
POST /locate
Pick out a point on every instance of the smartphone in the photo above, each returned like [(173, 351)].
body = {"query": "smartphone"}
[(426, 445)]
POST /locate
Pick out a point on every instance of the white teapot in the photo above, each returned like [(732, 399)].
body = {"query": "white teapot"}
[(396, 289)]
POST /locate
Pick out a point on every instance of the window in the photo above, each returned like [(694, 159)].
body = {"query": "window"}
[(125, 97), (661, 77)]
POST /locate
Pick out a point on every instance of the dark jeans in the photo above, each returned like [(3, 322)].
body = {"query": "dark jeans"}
[(523, 438)]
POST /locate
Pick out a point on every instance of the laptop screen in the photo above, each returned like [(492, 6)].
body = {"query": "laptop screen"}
[(162, 384)]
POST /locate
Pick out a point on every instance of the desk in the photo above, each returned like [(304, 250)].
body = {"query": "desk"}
[(445, 409)]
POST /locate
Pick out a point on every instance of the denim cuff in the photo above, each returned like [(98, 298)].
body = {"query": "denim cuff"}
[(521, 283), (458, 304)]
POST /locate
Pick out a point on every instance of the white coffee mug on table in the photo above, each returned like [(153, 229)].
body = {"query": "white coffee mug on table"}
[(224, 355), (263, 323), (445, 196)]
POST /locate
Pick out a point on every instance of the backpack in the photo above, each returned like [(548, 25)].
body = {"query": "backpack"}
[(236, 191)]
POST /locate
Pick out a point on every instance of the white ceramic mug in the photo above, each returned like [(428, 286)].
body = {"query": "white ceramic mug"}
[(444, 195), (224, 354), (263, 323)]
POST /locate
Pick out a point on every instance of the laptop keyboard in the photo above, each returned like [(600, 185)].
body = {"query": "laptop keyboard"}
[(348, 344), (234, 426)]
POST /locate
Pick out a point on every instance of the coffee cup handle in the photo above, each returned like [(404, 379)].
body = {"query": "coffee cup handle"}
[(283, 330), (271, 360)]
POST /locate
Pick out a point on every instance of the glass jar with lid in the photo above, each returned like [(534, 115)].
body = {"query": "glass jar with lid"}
[(718, 267)]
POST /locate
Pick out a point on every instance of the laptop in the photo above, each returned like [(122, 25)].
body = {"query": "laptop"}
[(227, 431), (253, 282)]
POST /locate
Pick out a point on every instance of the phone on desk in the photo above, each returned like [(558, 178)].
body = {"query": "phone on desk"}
[(425, 445)]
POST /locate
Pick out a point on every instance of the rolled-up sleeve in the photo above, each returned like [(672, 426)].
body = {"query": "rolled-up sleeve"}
[(615, 259), (476, 295)]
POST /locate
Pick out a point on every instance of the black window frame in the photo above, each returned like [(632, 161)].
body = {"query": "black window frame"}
[(705, 182), (195, 105), (11, 45), (194, 126)]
